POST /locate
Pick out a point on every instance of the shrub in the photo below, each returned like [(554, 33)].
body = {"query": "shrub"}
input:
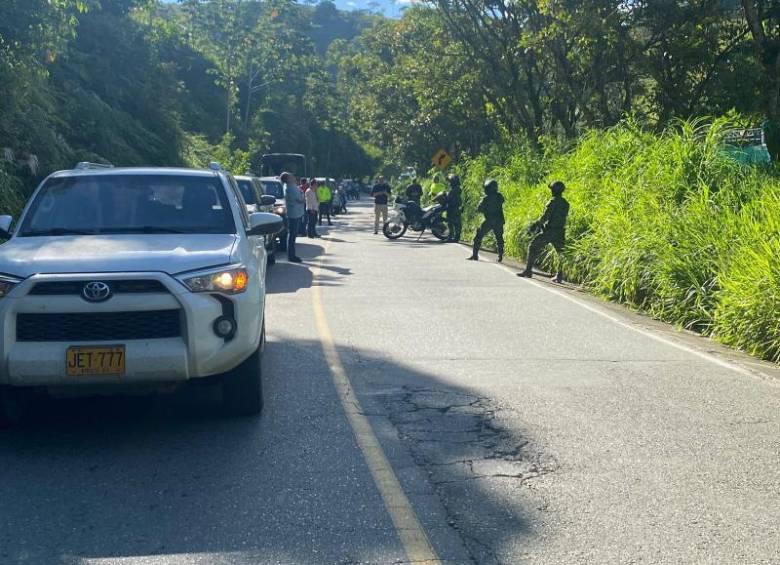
[(666, 223)]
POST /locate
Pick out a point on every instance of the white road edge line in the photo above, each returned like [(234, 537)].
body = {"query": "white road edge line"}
[(647, 333)]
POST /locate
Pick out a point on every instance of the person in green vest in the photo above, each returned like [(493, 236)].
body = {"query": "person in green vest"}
[(436, 187), (324, 197)]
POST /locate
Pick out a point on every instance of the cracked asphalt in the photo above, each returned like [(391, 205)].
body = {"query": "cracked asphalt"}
[(523, 427)]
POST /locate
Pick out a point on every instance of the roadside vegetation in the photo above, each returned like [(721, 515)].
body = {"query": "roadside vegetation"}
[(667, 223)]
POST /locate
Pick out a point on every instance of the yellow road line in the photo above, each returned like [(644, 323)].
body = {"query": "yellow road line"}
[(415, 541)]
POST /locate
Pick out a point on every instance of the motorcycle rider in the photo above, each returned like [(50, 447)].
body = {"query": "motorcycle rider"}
[(550, 228), (454, 213), (414, 192), (492, 207)]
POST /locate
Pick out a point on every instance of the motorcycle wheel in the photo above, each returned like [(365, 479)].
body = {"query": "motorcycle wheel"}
[(440, 230), (393, 230)]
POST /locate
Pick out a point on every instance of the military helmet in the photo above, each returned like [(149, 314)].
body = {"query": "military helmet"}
[(557, 187), (491, 185)]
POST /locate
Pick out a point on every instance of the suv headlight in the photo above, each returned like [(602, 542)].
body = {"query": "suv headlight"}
[(228, 281), (6, 284)]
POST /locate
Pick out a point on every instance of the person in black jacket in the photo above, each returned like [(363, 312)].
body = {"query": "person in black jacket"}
[(454, 203), (492, 207), (549, 229), (414, 192)]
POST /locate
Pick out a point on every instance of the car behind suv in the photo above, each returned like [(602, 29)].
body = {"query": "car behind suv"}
[(272, 186), (133, 278), (253, 191)]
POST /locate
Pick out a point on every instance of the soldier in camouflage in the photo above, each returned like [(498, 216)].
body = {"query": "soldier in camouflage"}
[(454, 204), (492, 207), (549, 229)]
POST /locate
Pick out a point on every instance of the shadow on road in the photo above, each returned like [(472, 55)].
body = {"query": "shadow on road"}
[(292, 277), (133, 478)]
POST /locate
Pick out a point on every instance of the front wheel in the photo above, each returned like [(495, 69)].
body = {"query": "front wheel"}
[(15, 405), (440, 229), (394, 229), (242, 388)]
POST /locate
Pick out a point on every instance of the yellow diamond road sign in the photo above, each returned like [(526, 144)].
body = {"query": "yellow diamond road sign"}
[(441, 159)]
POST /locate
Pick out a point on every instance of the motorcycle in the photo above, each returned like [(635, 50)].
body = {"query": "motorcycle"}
[(409, 215)]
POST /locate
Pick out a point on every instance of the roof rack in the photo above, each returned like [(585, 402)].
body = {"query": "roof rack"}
[(86, 165)]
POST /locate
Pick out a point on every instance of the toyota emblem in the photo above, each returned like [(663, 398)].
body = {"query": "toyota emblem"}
[(96, 292)]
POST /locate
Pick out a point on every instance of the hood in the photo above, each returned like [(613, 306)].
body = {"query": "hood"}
[(169, 253)]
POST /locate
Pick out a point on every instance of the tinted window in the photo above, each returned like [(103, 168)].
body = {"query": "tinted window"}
[(112, 204), (273, 188), (247, 191)]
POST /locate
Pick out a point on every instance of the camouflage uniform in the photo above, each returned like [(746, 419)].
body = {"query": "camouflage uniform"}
[(454, 203), (492, 207), (552, 226)]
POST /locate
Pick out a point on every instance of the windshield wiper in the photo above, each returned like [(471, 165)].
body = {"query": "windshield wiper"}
[(57, 231)]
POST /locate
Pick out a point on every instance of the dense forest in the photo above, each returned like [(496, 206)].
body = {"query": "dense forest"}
[(146, 82)]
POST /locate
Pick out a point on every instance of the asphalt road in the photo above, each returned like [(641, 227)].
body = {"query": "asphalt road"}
[(519, 422)]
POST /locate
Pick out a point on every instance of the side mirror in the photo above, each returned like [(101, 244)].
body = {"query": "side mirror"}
[(5, 226), (263, 223), (267, 200)]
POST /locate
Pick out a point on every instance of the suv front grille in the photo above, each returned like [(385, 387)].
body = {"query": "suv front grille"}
[(59, 288), (104, 326)]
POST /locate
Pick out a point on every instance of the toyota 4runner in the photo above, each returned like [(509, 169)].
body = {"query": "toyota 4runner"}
[(119, 279)]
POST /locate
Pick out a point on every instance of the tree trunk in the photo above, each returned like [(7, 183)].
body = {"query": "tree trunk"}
[(767, 49)]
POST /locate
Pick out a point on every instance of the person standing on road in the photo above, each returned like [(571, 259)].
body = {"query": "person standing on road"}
[(436, 187), (414, 192), (324, 197), (312, 209), (492, 207), (454, 204), (303, 184), (550, 228), (381, 194), (294, 199)]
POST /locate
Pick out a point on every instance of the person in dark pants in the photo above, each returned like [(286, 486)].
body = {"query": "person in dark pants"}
[(549, 229), (492, 207), (294, 200), (312, 209), (325, 198), (454, 204)]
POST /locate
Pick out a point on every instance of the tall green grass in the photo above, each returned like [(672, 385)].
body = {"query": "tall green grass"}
[(666, 223)]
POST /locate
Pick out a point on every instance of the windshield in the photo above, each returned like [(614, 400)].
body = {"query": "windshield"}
[(114, 204), (274, 164), (273, 188), (247, 191)]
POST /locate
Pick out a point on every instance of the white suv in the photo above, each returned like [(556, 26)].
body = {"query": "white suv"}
[(123, 279)]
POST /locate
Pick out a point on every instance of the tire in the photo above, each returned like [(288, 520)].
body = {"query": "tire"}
[(242, 388), (390, 234), (272, 259), (15, 405), (440, 229)]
